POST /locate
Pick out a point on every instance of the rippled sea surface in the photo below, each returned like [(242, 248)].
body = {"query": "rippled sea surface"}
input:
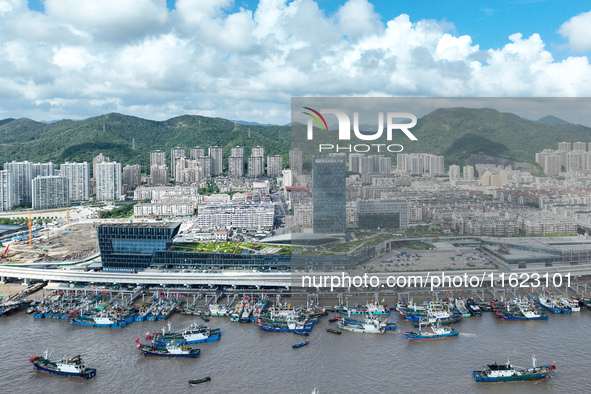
[(248, 360)]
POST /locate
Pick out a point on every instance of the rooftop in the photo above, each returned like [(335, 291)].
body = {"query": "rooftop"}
[(143, 225)]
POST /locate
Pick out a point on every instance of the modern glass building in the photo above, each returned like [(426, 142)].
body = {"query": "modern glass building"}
[(329, 195), (134, 247), (131, 246), (382, 214)]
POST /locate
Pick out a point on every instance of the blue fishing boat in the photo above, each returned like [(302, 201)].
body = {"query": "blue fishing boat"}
[(302, 333), (298, 345), (507, 373), (547, 303), (168, 350), (73, 367), (97, 321), (192, 334), (437, 331)]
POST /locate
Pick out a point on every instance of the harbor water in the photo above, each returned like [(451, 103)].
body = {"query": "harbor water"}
[(249, 360)]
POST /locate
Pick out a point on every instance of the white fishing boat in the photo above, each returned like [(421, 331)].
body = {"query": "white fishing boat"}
[(461, 307), (218, 310), (369, 325)]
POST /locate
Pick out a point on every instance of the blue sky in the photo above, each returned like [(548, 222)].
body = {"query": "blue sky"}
[(246, 59), (489, 23)]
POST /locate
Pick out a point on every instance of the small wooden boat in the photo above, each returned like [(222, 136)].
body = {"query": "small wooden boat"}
[(332, 330), (205, 318), (302, 333), (332, 320), (298, 345), (198, 381)]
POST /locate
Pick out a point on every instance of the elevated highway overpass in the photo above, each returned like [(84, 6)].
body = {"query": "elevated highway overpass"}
[(267, 279)]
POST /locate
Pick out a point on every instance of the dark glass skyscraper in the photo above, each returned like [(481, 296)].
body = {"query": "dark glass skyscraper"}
[(329, 194)]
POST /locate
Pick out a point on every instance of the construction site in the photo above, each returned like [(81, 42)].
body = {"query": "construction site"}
[(55, 243)]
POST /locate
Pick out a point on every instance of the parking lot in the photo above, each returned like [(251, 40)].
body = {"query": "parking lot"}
[(445, 256)]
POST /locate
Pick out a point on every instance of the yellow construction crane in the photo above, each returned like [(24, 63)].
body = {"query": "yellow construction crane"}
[(30, 230)]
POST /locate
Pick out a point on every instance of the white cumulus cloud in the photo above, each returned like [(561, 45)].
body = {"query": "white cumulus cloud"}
[(211, 58), (578, 31)]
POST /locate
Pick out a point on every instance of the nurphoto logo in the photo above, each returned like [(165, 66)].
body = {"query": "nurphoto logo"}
[(344, 132)]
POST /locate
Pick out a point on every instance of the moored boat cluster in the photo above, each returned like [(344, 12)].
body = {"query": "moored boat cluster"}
[(432, 318)]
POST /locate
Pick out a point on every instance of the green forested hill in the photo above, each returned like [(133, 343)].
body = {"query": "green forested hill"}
[(66, 140), (456, 133)]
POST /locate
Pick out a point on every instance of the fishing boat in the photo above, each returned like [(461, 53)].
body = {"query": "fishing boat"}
[(507, 373), (284, 321), (259, 307), (298, 345), (460, 305), (370, 325), (218, 310), (437, 331), (473, 307), (101, 320), (302, 333), (168, 350), (235, 314), (518, 309), (198, 381), (373, 308), (431, 320), (567, 306), (73, 367), (191, 334), (332, 330), (585, 302), (285, 326), (547, 303), (574, 304), (246, 311)]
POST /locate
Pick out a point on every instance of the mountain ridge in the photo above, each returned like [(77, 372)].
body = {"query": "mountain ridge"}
[(457, 133)]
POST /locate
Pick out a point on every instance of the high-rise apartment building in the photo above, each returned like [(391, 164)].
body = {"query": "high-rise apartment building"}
[(217, 155), (6, 190), (235, 166), (176, 153), (108, 181), (256, 166), (43, 169), (132, 176), (197, 152), (78, 175), (296, 161), (454, 172), (100, 158), (468, 173), (257, 151), (50, 192), (206, 164), (159, 175), (22, 175), (274, 166), (157, 158)]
